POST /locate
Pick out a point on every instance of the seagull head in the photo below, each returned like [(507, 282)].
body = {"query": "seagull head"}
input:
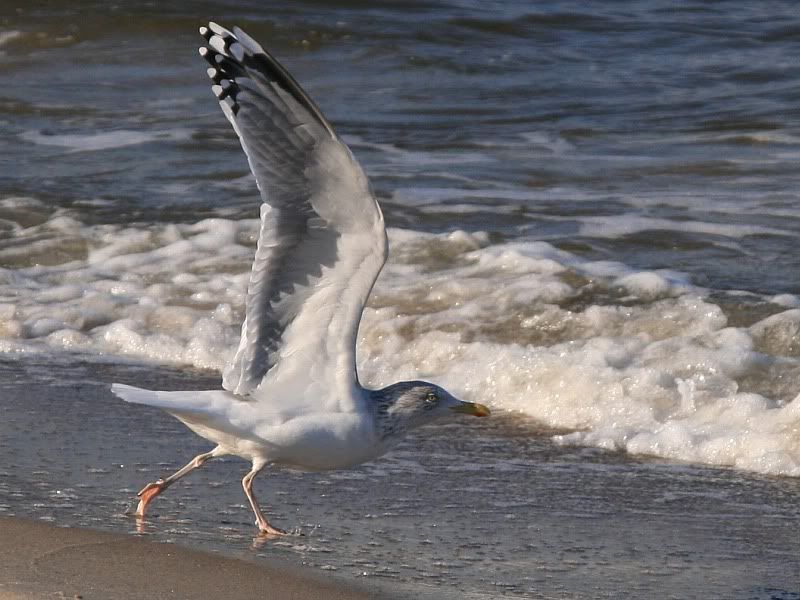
[(415, 403)]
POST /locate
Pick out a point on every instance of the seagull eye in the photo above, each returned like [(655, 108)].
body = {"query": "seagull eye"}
[(431, 398)]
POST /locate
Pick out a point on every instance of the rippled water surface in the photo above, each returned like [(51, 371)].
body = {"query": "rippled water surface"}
[(480, 509)]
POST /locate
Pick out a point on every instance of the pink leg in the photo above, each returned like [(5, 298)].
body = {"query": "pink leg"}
[(151, 490), (261, 521)]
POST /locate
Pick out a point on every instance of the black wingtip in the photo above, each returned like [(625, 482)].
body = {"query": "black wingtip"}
[(282, 77), (236, 56)]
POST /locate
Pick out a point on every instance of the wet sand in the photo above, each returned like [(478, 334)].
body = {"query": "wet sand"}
[(38, 560), (477, 509)]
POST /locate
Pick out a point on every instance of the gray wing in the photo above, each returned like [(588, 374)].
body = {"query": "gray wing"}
[(322, 241)]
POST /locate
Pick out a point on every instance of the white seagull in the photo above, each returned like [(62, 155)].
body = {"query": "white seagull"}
[(291, 393)]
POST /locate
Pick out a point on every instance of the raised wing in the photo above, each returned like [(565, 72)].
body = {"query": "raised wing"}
[(322, 241)]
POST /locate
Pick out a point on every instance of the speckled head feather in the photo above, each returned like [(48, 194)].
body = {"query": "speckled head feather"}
[(409, 404)]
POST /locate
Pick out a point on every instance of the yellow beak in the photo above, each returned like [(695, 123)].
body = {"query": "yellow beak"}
[(472, 408)]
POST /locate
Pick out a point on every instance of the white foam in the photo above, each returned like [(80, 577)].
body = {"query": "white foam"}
[(778, 334), (619, 225), (8, 36), (103, 140), (787, 300), (617, 357), (647, 285)]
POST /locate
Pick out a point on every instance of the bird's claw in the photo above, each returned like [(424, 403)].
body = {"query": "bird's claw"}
[(267, 530), (147, 494), (159, 483)]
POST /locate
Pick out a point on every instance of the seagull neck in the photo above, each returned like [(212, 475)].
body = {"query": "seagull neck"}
[(390, 425)]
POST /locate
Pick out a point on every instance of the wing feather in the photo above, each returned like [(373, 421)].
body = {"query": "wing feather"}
[(322, 240)]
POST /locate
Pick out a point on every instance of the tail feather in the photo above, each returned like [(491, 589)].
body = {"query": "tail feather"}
[(183, 401)]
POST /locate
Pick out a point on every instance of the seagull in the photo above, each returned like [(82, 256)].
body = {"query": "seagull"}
[(291, 396)]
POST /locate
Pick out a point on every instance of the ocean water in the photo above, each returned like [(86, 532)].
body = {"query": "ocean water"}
[(593, 209)]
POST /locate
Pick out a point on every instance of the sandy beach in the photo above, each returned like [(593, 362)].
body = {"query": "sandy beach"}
[(38, 560)]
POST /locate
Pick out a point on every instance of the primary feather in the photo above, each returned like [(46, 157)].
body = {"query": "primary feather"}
[(322, 241)]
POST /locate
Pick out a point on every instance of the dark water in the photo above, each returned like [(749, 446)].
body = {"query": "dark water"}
[(553, 112)]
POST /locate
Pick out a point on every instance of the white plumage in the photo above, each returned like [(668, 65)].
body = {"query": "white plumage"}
[(291, 392)]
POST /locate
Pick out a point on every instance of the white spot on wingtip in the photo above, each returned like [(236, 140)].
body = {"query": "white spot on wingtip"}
[(212, 72), (203, 30), (203, 51), (217, 43), (217, 89)]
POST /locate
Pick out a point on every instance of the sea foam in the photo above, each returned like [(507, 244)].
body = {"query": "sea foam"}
[(104, 140), (614, 357)]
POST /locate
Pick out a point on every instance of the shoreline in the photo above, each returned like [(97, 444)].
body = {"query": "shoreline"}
[(46, 561), (462, 511)]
